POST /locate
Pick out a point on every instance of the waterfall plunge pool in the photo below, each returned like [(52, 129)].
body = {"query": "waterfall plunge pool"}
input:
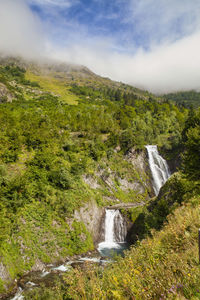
[(112, 249), (114, 244), (115, 234)]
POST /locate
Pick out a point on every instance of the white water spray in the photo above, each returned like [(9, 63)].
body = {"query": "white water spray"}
[(159, 168), (115, 230)]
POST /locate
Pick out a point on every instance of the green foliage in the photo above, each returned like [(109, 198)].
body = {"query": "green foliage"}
[(13, 72), (191, 137), (61, 178), (192, 154), (45, 293), (47, 146), (176, 191), (163, 266), (185, 99)]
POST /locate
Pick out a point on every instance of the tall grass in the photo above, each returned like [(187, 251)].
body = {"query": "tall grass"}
[(164, 266)]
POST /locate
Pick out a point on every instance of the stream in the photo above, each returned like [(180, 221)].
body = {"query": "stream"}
[(114, 243), (114, 236), (50, 274)]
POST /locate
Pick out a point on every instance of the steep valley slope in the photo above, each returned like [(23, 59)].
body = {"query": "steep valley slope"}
[(71, 144)]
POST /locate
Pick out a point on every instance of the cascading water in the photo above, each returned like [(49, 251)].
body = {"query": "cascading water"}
[(159, 168), (115, 233)]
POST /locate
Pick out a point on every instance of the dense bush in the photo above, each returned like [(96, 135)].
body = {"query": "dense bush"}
[(191, 138)]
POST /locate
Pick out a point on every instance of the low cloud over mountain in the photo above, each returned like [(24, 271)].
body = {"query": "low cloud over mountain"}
[(149, 44)]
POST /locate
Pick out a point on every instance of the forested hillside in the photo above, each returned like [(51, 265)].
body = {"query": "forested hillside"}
[(164, 264), (66, 135), (187, 99)]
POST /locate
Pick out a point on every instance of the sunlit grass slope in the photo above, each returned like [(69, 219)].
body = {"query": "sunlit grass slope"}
[(57, 87)]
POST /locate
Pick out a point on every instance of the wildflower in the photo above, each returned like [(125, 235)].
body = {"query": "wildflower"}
[(179, 286)]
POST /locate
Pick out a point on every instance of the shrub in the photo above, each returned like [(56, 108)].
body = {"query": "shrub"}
[(61, 178)]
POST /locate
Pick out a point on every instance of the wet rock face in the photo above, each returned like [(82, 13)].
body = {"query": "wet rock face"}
[(93, 217), (120, 228), (139, 160)]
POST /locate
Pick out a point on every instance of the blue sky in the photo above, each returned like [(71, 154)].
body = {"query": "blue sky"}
[(153, 44), (68, 20), (130, 24)]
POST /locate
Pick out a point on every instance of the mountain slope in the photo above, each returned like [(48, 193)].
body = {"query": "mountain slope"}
[(188, 98), (70, 138), (165, 264)]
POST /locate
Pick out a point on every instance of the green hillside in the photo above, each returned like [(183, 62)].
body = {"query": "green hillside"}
[(66, 139), (164, 264), (187, 99)]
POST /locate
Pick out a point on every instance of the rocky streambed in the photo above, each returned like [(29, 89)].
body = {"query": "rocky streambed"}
[(114, 243), (53, 273)]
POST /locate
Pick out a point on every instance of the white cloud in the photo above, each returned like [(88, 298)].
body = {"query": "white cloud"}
[(164, 19), (172, 61), (20, 30), (58, 3), (171, 31), (165, 68)]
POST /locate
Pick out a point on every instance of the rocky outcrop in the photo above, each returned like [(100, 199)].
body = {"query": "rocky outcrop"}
[(5, 95), (139, 160), (126, 185), (93, 218), (4, 275), (140, 181), (92, 182)]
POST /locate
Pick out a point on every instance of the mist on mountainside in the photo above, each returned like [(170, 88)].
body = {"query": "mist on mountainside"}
[(160, 68)]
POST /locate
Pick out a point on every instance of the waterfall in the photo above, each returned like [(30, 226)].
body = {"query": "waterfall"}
[(115, 231), (159, 168)]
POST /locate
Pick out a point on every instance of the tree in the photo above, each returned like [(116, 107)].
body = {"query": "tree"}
[(191, 159)]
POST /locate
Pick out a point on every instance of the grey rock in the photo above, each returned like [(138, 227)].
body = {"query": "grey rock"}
[(92, 216)]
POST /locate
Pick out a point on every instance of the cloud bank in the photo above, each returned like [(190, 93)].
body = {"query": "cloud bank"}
[(158, 48), (161, 20), (20, 30)]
